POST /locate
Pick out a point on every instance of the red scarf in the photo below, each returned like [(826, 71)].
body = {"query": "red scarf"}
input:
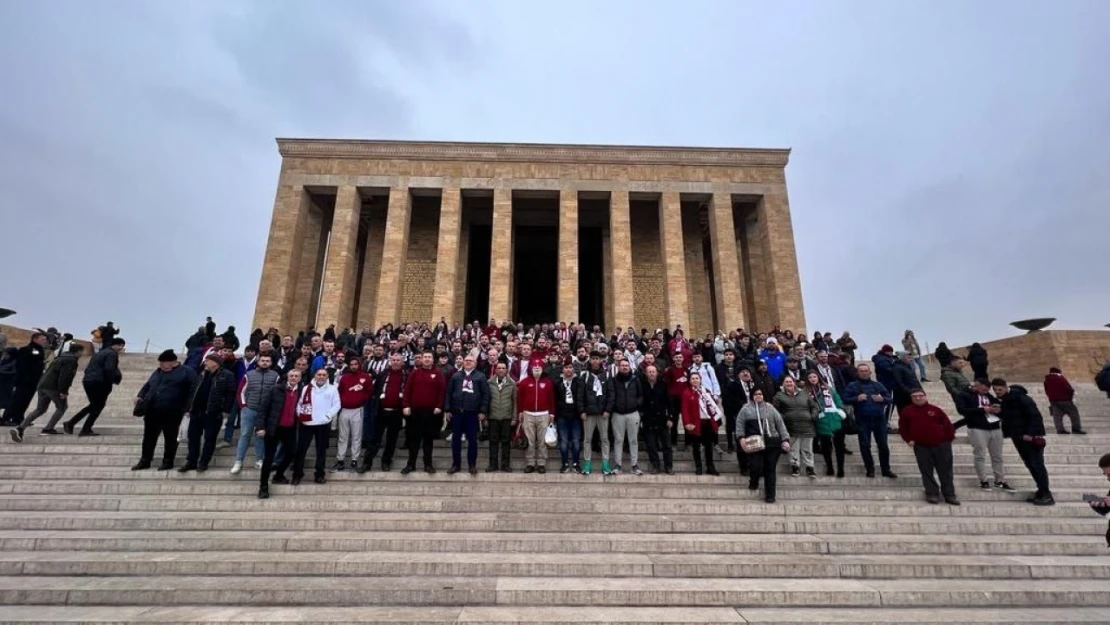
[(304, 410)]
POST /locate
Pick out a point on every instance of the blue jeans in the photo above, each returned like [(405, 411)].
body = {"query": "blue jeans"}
[(247, 420), (920, 367), (876, 425), (232, 421), (464, 423), (570, 439)]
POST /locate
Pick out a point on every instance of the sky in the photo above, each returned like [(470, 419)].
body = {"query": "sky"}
[(949, 173)]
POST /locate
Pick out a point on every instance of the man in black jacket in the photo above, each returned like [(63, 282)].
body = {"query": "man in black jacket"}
[(210, 397), (30, 361), (166, 398), (984, 429), (53, 388), (101, 374), (1023, 424), (905, 380), (623, 399), (278, 426), (657, 423)]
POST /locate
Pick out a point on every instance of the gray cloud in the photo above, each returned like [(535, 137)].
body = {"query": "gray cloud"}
[(948, 171)]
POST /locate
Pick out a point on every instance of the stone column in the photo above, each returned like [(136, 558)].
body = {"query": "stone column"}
[(776, 232), (308, 278), (674, 260), (341, 266), (447, 255), (394, 254), (281, 264), (620, 238), (726, 269), (568, 256), (501, 248)]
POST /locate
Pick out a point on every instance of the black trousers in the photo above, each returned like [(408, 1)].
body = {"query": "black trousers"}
[(936, 458), (674, 410), (387, 423), (658, 442), (307, 435), (500, 439), (420, 433), (827, 444), (705, 441), (21, 401), (1033, 457), (764, 464), (287, 438), (98, 393), (164, 423), (208, 426)]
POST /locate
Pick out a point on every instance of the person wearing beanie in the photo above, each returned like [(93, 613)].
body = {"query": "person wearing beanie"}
[(210, 397), (355, 388), (165, 400), (101, 374)]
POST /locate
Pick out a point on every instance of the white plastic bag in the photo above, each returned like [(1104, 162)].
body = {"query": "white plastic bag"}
[(551, 435)]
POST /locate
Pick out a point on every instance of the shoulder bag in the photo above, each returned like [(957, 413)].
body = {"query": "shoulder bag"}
[(755, 442)]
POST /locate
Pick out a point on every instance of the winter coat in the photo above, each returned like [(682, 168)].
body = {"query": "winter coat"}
[(798, 411), (564, 410), (103, 368), (221, 397), (535, 395), (925, 425), (173, 390), (502, 399), (355, 389), (324, 401), (59, 375), (691, 412), (830, 419), (773, 427), (254, 390), (623, 396), (589, 400), (943, 355), (776, 362), (269, 420), (654, 409), (974, 417), (1020, 415), (30, 361), (868, 408), (977, 357), (955, 382), (1057, 388), (884, 369), (462, 400)]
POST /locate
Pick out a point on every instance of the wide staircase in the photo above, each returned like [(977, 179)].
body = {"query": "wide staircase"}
[(86, 540)]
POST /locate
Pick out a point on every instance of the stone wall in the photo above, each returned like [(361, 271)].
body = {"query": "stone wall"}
[(1027, 358), (647, 267), (419, 279), (464, 265), (697, 280), (18, 337)]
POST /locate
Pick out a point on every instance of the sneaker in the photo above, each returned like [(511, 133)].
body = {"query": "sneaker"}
[(182, 439), (636, 470), (795, 471), (952, 501), (429, 469), (616, 470), (223, 443), (279, 479), (16, 434), (577, 468), (933, 499), (565, 469), (408, 469), (1079, 432), (49, 432), (1047, 500), (236, 468), (891, 474), (541, 469), (1004, 486), (810, 473), (258, 464), (587, 467), (453, 470), (263, 493), (339, 466), (985, 485), (320, 479), (605, 470), (529, 469)]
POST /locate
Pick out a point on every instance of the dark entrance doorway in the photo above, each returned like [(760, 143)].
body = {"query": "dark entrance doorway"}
[(535, 271), (477, 273), (591, 302)]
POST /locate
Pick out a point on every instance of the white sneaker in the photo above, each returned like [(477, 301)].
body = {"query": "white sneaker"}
[(258, 464), (237, 467), (222, 444)]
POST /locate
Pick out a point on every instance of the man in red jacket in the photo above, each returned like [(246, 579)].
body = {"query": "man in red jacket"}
[(1061, 401), (929, 432), (535, 405), (355, 388), (676, 379), (425, 393)]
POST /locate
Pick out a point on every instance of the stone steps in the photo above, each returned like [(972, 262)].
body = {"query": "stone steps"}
[(548, 615)]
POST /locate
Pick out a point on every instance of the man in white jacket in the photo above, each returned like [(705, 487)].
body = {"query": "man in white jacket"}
[(708, 376), (318, 406)]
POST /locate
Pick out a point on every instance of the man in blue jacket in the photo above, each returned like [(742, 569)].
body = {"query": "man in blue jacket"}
[(467, 404), (871, 401)]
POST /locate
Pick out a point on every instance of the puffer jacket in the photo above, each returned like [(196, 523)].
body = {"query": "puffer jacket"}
[(798, 411), (502, 399), (256, 389), (173, 389), (59, 375), (221, 397), (588, 399)]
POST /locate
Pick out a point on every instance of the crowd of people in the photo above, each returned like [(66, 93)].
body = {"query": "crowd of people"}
[(556, 386)]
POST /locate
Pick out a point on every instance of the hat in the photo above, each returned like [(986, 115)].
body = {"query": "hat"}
[(167, 356), (887, 348), (215, 357), (772, 340)]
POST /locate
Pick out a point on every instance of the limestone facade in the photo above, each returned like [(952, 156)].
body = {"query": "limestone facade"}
[(373, 232)]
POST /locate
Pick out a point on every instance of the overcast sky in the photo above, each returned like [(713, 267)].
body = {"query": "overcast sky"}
[(950, 170)]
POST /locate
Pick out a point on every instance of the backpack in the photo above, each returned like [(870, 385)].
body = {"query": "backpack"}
[(1102, 379)]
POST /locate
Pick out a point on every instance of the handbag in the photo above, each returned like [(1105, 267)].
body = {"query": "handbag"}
[(550, 435), (755, 442), (140, 407)]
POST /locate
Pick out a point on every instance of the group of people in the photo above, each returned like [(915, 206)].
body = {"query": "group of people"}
[(561, 386)]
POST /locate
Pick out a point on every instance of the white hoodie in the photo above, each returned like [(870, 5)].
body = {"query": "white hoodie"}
[(324, 404)]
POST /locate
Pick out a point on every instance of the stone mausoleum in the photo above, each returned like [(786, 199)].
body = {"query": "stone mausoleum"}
[(370, 232)]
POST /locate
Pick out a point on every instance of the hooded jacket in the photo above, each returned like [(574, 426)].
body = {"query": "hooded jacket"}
[(59, 375), (970, 406), (1020, 415)]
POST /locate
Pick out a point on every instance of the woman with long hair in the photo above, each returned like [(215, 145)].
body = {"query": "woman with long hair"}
[(830, 422), (759, 418), (701, 417)]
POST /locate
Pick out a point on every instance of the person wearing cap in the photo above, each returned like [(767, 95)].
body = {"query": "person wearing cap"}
[(535, 406), (101, 374), (165, 398), (210, 397)]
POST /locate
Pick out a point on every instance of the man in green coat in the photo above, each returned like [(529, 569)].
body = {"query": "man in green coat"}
[(502, 413)]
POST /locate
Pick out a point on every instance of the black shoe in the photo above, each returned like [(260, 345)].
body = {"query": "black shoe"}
[(952, 501), (985, 485), (744, 472), (795, 472), (753, 485), (140, 466), (279, 479), (473, 470), (202, 468), (453, 470), (541, 469), (1062, 432), (186, 468), (49, 432), (871, 473), (296, 481), (17, 435), (88, 433), (363, 468), (507, 469), (429, 469), (654, 470), (1031, 498), (1079, 432), (829, 471), (339, 466), (263, 493), (1004, 486), (934, 499), (770, 500), (712, 471), (67, 427), (491, 469), (408, 469), (386, 466), (529, 469), (810, 473), (165, 466), (891, 474), (320, 479), (669, 470), (576, 467), (1046, 500), (840, 474), (565, 469), (697, 471)]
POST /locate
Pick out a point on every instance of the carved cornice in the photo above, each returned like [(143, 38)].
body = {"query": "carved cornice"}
[(532, 153)]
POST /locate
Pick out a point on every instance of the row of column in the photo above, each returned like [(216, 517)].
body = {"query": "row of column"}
[(338, 285)]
